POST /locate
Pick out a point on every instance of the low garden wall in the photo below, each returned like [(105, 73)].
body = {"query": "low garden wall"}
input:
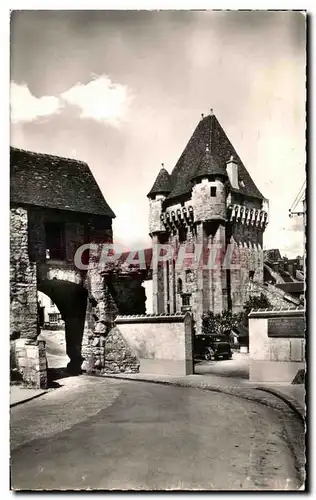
[(161, 343), (276, 344)]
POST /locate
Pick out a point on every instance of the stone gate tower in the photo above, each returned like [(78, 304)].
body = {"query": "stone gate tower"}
[(208, 204)]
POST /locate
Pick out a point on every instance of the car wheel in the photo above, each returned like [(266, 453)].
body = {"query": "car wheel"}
[(208, 355)]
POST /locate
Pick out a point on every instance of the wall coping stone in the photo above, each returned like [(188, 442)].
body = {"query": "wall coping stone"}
[(151, 318), (272, 313)]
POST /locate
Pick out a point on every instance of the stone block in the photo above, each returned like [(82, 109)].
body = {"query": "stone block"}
[(95, 342), (31, 362), (296, 350), (100, 328), (280, 350)]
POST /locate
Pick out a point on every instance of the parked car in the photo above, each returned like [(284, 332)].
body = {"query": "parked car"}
[(212, 347)]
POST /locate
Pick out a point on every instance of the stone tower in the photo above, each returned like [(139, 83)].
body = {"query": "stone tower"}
[(210, 217)]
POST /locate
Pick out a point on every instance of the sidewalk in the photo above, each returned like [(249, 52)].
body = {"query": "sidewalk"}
[(274, 395), (20, 394), (293, 395)]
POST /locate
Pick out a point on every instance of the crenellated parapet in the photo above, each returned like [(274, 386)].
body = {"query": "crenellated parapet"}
[(248, 216), (179, 218)]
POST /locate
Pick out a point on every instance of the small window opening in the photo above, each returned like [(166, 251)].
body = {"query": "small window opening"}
[(251, 275), (182, 234), (213, 191), (186, 299), (55, 241)]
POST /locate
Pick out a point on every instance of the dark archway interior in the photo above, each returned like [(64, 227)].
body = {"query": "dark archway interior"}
[(71, 300)]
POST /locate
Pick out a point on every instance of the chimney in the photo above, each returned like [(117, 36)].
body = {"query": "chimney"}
[(232, 171)]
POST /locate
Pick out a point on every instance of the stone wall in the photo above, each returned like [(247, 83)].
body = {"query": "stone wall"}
[(247, 256), (276, 345), (207, 207), (162, 344), (110, 354), (23, 288), (155, 211), (30, 361)]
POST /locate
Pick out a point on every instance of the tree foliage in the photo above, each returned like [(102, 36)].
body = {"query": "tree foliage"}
[(218, 324), (254, 302)]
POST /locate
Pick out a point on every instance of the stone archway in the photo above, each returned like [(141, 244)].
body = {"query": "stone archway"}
[(71, 300)]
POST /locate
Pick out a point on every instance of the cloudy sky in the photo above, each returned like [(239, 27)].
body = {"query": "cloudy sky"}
[(124, 90)]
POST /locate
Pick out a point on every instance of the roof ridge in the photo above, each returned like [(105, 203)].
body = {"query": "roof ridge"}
[(49, 155), (211, 141)]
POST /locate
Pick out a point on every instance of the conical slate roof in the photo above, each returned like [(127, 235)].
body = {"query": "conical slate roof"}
[(208, 131), (209, 166), (162, 184)]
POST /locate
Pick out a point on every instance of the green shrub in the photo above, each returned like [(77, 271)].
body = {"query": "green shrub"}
[(254, 302), (220, 323)]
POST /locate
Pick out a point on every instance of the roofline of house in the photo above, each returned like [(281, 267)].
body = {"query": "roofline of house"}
[(23, 205)]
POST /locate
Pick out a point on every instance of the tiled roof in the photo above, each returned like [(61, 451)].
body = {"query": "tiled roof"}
[(210, 165), (55, 182), (294, 287), (208, 131), (162, 184)]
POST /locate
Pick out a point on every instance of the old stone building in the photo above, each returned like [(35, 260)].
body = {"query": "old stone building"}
[(57, 206), (209, 200)]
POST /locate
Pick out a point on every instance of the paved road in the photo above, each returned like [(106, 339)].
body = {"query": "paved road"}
[(108, 434), (238, 367)]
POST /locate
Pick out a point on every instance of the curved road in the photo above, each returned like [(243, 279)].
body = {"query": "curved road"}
[(109, 434)]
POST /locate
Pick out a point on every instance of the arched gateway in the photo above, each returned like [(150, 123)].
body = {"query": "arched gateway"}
[(56, 206)]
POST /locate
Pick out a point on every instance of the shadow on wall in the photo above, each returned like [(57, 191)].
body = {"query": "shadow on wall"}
[(129, 295), (71, 300)]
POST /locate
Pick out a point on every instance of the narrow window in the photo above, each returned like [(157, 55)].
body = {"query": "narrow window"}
[(251, 275), (213, 191), (182, 234), (186, 300), (55, 240), (180, 285)]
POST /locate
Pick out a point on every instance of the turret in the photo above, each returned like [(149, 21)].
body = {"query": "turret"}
[(158, 193), (209, 188)]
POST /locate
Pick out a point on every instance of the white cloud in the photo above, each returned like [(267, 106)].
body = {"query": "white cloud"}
[(26, 108), (100, 99)]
